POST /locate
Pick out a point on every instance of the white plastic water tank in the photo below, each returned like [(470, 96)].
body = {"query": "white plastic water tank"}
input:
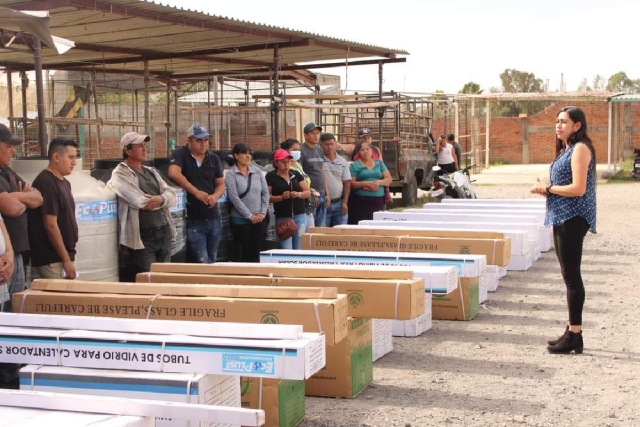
[(97, 218)]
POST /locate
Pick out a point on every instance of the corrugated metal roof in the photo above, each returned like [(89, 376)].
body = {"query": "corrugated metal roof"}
[(114, 36), (627, 97)]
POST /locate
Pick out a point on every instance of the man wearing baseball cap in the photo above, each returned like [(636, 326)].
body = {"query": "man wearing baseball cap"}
[(200, 173), (144, 199), (16, 196), (23, 194), (312, 161)]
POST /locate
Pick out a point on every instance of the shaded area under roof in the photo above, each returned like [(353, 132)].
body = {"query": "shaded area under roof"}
[(117, 36)]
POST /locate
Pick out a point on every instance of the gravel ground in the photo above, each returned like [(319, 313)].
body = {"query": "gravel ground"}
[(495, 371)]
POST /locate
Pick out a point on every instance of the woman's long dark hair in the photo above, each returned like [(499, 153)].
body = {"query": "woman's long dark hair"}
[(576, 115)]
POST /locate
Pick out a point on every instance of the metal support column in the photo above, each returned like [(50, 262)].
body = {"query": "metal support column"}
[(486, 142), (42, 124), (168, 122), (24, 80), (147, 128), (10, 99), (609, 133), (380, 109), (276, 95)]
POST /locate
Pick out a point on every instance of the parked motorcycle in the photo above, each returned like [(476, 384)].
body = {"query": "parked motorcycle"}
[(636, 164), (463, 180), (444, 186)]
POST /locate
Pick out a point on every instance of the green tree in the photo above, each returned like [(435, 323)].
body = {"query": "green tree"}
[(515, 81), (471, 88), (599, 83), (619, 82)]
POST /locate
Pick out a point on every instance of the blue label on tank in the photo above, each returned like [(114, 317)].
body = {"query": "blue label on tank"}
[(181, 202), (99, 210)]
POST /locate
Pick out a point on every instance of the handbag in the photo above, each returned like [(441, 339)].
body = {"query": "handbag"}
[(288, 227)]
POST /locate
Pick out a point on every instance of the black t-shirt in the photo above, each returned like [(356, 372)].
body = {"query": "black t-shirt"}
[(203, 178), (279, 186), (148, 184), (16, 226), (58, 201)]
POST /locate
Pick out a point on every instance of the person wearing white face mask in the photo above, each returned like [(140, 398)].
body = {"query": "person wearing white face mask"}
[(294, 148)]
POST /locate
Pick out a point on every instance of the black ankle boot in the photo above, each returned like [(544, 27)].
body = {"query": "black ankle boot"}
[(571, 342), (560, 338)]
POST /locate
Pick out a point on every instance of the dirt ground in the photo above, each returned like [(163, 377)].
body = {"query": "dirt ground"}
[(495, 370)]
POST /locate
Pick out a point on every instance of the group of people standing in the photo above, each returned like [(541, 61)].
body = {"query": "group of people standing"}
[(310, 185)]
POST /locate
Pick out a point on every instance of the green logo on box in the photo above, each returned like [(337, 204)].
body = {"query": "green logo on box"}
[(270, 319), (465, 250), (355, 299)]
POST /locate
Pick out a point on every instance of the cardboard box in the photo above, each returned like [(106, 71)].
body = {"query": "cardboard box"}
[(349, 368), (467, 265), (530, 230), (315, 315), (473, 210), (493, 277), (223, 291), (382, 331), (283, 401), (20, 417), (461, 304), (520, 263), (393, 299), (285, 359), (279, 270), (497, 251), (519, 239), (538, 202), (219, 390), (414, 327)]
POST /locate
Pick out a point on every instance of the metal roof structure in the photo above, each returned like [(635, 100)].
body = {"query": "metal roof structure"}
[(540, 96), (627, 97), (131, 36)]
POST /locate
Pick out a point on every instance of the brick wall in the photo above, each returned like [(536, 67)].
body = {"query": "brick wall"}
[(506, 133)]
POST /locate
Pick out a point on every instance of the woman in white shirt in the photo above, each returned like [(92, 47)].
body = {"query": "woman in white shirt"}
[(447, 159)]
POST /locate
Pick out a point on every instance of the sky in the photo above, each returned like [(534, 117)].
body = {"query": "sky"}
[(452, 42)]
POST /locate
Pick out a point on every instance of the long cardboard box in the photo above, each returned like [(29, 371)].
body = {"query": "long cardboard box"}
[(349, 368), (382, 332), (461, 304), (28, 417), (519, 238), (279, 270), (392, 299), (414, 327), (117, 406), (285, 359), (539, 213), (283, 401), (220, 390), (540, 231), (328, 316), (535, 202), (497, 251), (223, 291), (519, 235), (467, 265)]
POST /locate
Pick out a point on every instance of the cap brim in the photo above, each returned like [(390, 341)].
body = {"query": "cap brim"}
[(202, 135), (14, 140)]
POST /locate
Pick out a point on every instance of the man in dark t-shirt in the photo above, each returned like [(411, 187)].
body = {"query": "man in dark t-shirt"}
[(53, 231), (199, 172), (312, 161), (16, 221)]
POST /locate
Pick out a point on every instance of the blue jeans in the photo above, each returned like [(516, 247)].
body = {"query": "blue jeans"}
[(9, 371), (334, 215), (320, 212), (16, 283), (293, 242), (203, 239)]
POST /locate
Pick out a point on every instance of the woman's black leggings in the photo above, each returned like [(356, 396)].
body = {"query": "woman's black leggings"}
[(568, 239)]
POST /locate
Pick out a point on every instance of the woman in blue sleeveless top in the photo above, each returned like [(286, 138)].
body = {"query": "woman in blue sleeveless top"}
[(571, 210)]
